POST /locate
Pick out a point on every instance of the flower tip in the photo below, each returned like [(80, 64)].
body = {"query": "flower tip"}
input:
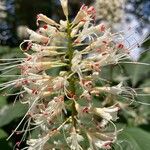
[(118, 106), (25, 46), (45, 27), (102, 28), (38, 19), (64, 4)]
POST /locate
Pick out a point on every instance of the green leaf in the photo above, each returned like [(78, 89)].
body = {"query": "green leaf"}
[(145, 92), (10, 112), (3, 134), (134, 139), (3, 101), (139, 72), (146, 83), (5, 145)]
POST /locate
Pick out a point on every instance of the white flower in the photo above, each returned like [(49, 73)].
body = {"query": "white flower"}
[(107, 113), (100, 42), (37, 37), (82, 110), (63, 24), (90, 32), (84, 14), (53, 109), (48, 30), (113, 90), (74, 140), (126, 92), (45, 19), (37, 144), (37, 62), (86, 95), (101, 140), (76, 67), (59, 83), (45, 49)]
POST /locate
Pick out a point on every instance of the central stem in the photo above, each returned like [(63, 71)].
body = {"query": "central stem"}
[(70, 46), (72, 79)]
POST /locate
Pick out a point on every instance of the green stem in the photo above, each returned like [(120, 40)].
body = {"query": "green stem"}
[(111, 72), (72, 79), (70, 46)]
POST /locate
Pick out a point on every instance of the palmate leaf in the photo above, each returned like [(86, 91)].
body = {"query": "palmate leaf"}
[(10, 112), (134, 139)]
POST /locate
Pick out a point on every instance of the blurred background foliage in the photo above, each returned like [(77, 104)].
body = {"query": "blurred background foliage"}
[(15, 15)]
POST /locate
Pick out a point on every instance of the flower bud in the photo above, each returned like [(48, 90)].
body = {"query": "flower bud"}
[(64, 4)]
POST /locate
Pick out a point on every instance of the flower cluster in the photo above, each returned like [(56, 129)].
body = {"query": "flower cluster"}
[(62, 106), (112, 12)]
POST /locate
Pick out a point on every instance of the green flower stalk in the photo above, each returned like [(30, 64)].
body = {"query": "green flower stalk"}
[(62, 107)]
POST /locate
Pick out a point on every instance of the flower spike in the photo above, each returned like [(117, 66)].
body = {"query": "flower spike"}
[(61, 103)]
